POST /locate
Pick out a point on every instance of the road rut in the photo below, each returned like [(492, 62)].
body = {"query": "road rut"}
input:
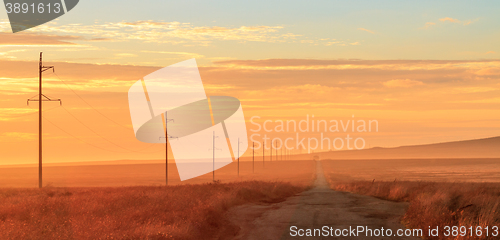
[(316, 208)]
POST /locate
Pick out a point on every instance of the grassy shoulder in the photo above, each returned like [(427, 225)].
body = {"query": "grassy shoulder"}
[(438, 204), (147, 212)]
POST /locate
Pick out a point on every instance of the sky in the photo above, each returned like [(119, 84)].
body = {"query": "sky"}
[(426, 71)]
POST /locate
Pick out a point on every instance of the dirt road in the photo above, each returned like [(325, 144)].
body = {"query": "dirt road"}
[(315, 209)]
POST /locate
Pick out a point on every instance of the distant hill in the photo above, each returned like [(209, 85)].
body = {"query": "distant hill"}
[(477, 148)]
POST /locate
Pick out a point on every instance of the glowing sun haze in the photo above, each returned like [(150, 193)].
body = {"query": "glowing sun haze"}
[(427, 72)]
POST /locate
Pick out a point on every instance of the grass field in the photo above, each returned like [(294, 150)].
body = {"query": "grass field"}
[(433, 170), (114, 175), (173, 212), (440, 192), (108, 201)]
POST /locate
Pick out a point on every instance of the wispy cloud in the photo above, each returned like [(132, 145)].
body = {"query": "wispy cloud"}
[(23, 39), (404, 83), (125, 55), (185, 54), (356, 83), (311, 64), (449, 20), (21, 136), (428, 25), (176, 33), (366, 30), (453, 20), (487, 100), (170, 32), (8, 114), (474, 89)]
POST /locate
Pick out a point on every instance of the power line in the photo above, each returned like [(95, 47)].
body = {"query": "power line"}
[(102, 136), (46, 110), (127, 149), (89, 103), (53, 124), (81, 98)]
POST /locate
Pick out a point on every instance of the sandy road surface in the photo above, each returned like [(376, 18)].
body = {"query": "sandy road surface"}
[(316, 208)]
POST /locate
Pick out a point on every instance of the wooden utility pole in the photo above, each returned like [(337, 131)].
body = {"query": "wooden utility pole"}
[(263, 154), (238, 157), (166, 120), (253, 157), (271, 150), (213, 158), (276, 146), (166, 149), (40, 99)]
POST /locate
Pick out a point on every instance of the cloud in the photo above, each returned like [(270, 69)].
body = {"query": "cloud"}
[(100, 39), (18, 77), (6, 54), (449, 20), (23, 39), (125, 55), (350, 82), (8, 114), (402, 83), (428, 25), (311, 64), (185, 54), (366, 30), (20, 136), (185, 34), (474, 89), (490, 52), (487, 100), (170, 32)]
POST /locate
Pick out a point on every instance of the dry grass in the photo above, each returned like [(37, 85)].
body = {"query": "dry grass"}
[(174, 212), (437, 204), (153, 174), (430, 170), (440, 192)]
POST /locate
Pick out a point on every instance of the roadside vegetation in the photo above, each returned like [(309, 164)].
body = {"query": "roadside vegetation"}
[(439, 204), (148, 212)]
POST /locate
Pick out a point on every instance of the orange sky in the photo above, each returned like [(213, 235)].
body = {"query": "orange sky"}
[(426, 72), (413, 101)]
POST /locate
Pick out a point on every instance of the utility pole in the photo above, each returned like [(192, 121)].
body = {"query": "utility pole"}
[(213, 159), (40, 99), (276, 146), (253, 157), (238, 157), (271, 150), (263, 154), (166, 146)]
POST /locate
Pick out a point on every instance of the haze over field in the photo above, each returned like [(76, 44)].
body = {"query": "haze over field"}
[(476, 148), (382, 114), (428, 73)]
